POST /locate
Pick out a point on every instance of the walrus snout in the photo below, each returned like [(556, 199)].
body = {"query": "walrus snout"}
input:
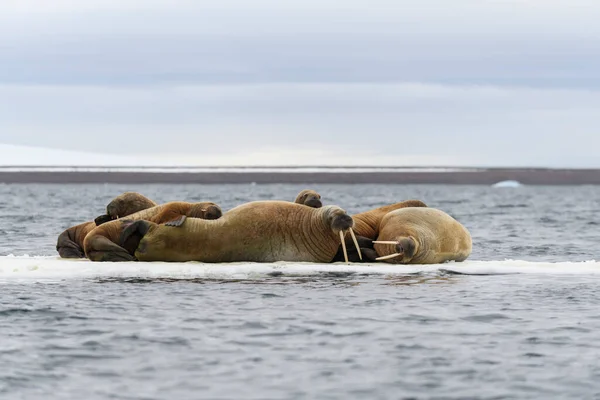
[(205, 210), (342, 222), (309, 198), (407, 247), (102, 219), (313, 201), (213, 212), (112, 210)]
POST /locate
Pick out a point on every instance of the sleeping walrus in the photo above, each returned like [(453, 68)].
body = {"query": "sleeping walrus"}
[(104, 239), (420, 236), (366, 227), (70, 242)]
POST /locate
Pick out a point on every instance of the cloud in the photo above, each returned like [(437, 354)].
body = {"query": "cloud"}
[(400, 123), (530, 43), (402, 82)]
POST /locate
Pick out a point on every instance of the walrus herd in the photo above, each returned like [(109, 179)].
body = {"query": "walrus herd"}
[(135, 228)]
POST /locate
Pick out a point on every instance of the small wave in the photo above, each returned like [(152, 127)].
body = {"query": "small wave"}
[(520, 205), (54, 269)]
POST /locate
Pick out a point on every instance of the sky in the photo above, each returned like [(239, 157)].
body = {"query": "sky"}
[(313, 82)]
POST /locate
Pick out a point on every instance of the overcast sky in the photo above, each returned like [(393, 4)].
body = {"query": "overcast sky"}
[(312, 82)]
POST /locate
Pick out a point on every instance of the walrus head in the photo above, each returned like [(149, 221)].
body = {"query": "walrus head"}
[(405, 249), (309, 198), (205, 210), (127, 204), (124, 205), (340, 223)]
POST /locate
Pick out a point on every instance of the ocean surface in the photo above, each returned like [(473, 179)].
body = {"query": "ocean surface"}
[(519, 320)]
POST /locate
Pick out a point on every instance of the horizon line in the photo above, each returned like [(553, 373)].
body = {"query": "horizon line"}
[(290, 167)]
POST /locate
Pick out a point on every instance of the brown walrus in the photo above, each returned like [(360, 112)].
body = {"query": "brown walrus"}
[(70, 242), (101, 244), (420, 236), (124, 205), (309, 198), (366, 227), (260, 231)]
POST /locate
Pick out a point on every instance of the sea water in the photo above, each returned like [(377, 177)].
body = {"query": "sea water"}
[(519, 319)]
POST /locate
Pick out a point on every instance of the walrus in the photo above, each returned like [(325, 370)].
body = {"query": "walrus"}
[(366, 224), (70, 242), (124, 205), (259, 231), (366, 227), (309, 198), (102, 244), (420, 236)]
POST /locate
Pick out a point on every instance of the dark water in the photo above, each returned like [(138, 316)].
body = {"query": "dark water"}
[(415, 336)]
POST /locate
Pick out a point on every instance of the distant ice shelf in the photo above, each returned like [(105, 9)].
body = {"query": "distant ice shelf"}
[(215, 169), (508, 184)]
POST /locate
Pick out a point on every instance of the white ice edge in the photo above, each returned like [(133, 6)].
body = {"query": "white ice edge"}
[(19, 268)]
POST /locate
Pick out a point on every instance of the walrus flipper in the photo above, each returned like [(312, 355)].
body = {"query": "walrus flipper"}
[(369, 254), (176, 222), (70, 252), (352, 255), (102, 219), (102, 249), (363, 242), (133, 232), (67, 248)]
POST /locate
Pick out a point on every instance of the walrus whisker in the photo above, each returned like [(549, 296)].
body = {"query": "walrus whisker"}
[(385, 242), (355, 243), (388, 256), (344, 246)]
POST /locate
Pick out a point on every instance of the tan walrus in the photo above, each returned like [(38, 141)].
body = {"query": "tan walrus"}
[(420, 236), (260, 231), (366, 227), (101, 243), (70, 242), (367, 223)]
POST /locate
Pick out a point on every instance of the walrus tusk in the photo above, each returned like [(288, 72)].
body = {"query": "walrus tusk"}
[(385, 242), (388, 256), (355, 243), (344, 246)]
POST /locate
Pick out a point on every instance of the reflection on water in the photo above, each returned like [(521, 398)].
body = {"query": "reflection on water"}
[(417, 279), (308, 282)]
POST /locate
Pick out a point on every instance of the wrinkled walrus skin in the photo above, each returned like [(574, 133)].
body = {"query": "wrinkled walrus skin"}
[(101, 244), (260, 231), (422, 236), (70, 242)]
